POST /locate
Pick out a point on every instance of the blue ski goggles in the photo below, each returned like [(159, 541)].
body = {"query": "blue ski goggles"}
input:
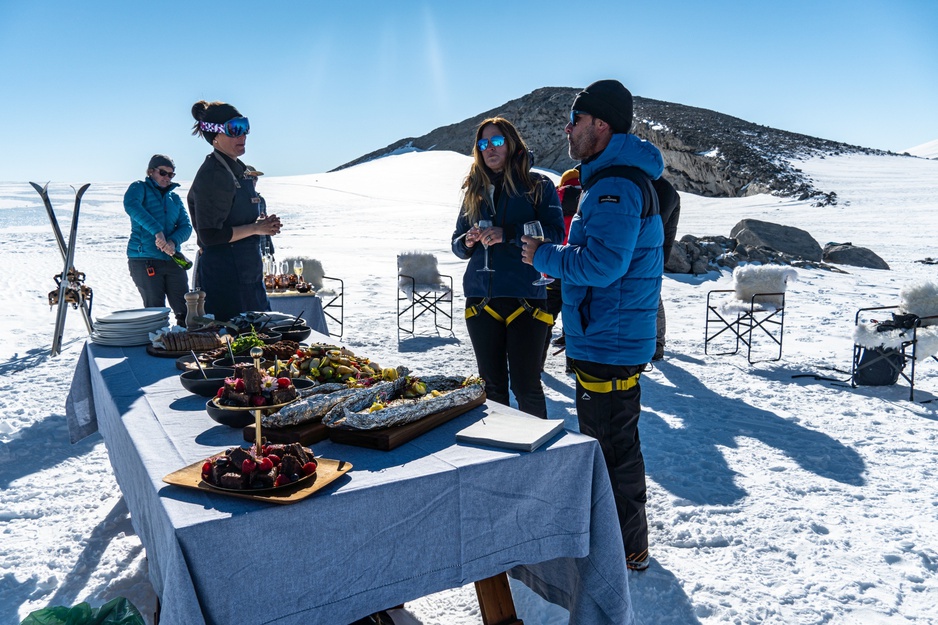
[(233, 127), (498, 141)]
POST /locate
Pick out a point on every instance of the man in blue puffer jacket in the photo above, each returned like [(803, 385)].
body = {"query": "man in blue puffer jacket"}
[(611, 273), (159, 225)]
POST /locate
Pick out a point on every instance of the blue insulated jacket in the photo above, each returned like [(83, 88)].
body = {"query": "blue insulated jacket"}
[(612, 263), (511, 278), (151, 211)]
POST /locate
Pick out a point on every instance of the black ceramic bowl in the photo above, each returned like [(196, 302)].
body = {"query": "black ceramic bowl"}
[(270, 336), (226, 361), (298, 333), (193, 381), (239, 417)]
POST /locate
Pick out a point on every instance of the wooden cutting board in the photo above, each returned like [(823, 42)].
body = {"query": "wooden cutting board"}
[(386, 439), (304, 433)]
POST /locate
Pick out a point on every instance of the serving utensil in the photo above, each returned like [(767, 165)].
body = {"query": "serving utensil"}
[(295, 321), (256, 353), (199, 364)]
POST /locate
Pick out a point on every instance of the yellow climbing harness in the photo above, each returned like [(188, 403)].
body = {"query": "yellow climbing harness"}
[(537, 313), (597, 385)]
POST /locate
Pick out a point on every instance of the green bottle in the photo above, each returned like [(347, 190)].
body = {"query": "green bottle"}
[(182, 261)]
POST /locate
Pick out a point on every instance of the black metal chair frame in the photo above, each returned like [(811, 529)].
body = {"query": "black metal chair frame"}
[(428, 301), (906, 351), (764, 318), (336, 303)]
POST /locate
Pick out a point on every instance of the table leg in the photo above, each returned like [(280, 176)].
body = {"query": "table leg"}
[(495, 602)]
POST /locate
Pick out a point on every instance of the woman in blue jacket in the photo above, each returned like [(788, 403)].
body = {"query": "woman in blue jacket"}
[(159, 225), (505, 312)]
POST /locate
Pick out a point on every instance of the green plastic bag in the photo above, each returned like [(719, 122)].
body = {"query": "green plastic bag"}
[(117, 611)]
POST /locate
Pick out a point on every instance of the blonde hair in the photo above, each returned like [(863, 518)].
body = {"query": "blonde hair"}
[(517, 172)]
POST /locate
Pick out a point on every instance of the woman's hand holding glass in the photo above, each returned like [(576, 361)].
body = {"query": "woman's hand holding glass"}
[(487, 238)]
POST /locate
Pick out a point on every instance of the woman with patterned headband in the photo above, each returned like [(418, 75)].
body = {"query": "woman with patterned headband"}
[(225, 210), (505, 301)]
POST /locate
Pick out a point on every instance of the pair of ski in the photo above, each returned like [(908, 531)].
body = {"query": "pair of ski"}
[(68, 256)]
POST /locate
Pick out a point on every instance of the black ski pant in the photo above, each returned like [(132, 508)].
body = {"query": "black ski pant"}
[(612, 419), (510, 355), (168, 282), (553, 305)]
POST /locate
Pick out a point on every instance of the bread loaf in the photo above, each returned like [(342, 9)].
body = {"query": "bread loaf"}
[(195, 341)]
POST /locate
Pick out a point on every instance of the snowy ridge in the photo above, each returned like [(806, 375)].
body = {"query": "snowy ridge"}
[(925, 150)]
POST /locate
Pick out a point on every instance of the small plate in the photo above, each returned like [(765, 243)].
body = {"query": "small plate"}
[(134, 315)]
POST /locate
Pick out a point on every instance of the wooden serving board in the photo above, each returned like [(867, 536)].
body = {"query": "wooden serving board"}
[(159, 352), (304, 433), (327, 472), (386, 439)]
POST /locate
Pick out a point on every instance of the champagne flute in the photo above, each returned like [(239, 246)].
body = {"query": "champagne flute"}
[(298, 269), (483, 224), (534, 230)]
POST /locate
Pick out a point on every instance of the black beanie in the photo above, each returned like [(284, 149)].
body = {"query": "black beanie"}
[(161, 160), (609, 101)]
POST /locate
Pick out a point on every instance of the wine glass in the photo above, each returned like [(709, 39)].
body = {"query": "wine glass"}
[(534, 230), (482, 225), (298, 269)]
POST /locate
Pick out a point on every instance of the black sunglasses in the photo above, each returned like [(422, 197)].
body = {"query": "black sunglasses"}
[(166, 174)]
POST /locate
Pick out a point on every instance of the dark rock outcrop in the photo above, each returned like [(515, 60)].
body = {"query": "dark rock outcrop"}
[(785, 239), (754, 241), (850, 254), (706, 152)]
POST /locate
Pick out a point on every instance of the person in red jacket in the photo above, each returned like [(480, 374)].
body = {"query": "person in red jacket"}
[(569, 194)]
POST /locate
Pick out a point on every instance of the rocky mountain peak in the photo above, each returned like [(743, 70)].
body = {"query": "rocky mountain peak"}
[(706, 153)]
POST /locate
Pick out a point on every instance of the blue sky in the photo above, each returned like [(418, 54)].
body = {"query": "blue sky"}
[(90, 90)]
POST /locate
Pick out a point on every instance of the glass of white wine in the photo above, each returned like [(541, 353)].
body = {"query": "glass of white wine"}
[(298, 269), (534, 230), (483, 224)]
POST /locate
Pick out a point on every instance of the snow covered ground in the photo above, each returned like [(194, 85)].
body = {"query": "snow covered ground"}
[(771, 498)]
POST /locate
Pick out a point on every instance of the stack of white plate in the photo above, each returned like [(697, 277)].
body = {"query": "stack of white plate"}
[(125, 328)]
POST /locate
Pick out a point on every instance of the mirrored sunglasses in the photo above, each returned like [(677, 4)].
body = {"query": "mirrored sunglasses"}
[(498, 141), (233, 127), (166, 174), (574, 115)]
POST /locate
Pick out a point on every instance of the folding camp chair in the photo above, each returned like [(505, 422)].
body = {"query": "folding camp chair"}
[(334, 302), (331, 292), (753, 310), (423, 290), (883, 349)]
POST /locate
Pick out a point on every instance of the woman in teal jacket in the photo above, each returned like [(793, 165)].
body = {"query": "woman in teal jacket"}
[(159, 225)]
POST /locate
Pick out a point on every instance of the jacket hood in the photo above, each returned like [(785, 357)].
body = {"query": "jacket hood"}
[(626, 149)]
